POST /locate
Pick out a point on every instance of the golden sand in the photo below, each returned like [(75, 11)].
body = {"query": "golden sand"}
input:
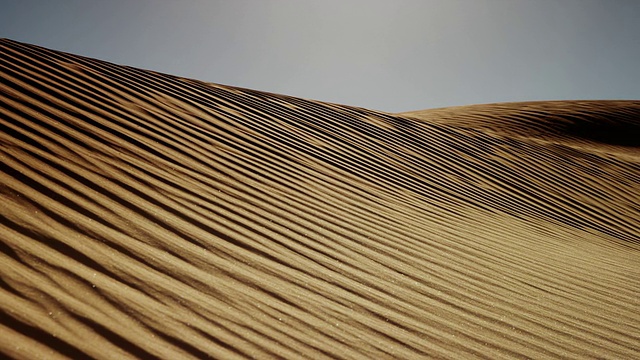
[(144, 215)]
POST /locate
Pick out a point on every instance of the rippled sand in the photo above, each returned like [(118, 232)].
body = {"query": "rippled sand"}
[(146, 215)]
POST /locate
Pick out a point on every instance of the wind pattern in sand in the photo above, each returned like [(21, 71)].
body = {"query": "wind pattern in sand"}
[(145, 215)]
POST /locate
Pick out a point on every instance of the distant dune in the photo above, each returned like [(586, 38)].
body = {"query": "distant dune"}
[(144, 215)]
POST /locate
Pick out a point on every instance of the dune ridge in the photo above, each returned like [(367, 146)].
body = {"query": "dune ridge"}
[(150, 216)]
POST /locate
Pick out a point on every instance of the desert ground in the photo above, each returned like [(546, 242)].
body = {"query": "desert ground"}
[(144, 215)]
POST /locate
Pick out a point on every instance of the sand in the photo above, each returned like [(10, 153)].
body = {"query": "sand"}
[(144, 215)]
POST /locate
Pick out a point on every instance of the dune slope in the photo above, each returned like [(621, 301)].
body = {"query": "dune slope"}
[(145, 215)]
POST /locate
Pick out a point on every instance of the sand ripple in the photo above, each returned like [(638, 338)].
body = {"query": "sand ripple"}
[(150, 216)]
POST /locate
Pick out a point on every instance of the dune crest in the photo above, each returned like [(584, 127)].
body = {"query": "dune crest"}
[(150, 216), (605, 125)]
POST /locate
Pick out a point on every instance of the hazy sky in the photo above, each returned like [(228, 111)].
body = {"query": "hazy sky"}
[(387, 55)]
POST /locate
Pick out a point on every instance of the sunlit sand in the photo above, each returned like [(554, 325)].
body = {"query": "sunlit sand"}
[(146, 215)]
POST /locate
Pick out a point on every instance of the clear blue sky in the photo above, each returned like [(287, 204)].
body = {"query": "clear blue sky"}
[(387, 55)]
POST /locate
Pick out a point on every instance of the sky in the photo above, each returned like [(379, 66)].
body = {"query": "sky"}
[(396, 55)]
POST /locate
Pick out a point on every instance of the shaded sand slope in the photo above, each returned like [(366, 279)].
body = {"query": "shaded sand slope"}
[(146, 215)]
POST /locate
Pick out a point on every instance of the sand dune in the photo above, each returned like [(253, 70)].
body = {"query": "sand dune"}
[(145, 215)]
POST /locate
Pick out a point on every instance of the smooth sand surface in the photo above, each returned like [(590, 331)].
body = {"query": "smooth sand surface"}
[(144, 215)]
